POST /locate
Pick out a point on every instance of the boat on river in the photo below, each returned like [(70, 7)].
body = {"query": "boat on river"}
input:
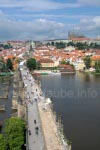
[(54, 73), (46, 72)]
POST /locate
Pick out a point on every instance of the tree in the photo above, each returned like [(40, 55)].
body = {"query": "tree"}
[(14, 133), (81, 46), (97, 66), (87, 61), (3, 66), (52, 43), (65, 63), (60, 45), (48, 44), (38, 65), (31, 63), (6, 46), (70, 44), (2, 142), (9, 64)]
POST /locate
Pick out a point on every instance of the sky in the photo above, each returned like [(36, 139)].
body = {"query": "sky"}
[(48, 19)]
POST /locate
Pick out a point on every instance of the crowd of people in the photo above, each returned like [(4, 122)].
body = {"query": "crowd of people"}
[(33, 95)]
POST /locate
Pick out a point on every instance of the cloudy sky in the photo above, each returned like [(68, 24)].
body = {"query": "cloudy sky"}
[(48, 19)]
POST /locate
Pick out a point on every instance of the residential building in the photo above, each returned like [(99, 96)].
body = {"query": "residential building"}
[(46, 63)]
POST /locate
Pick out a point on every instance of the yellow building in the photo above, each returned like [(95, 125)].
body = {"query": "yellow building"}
[(46, 63), (80, 66)]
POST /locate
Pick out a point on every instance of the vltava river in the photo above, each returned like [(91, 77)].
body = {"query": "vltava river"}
[(7, 102), (77, 98)]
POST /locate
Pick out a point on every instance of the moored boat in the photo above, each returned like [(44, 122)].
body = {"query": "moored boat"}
[(55, 73)]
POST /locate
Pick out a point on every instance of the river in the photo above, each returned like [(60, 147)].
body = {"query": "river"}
[(7, 101), (77, 98)]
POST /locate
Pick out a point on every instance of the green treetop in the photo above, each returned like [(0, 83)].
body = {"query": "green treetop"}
[(9, 64), (14, 133), (2, 142), (31, 63), (87, 61)]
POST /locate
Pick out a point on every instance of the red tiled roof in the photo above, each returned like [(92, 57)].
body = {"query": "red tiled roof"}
[(10, 56), (95, 57), (46, 60), (80, 39)]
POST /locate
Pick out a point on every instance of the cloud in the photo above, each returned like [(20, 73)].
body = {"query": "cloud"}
[(89, 26), (40, 5), (36, 5), (90, 2), (29, 19), (45, 28), (38, 29), (91, 23)]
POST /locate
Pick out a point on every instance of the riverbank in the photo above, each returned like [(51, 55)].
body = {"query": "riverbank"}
[(46, 72), (89, 72), (50, 72)]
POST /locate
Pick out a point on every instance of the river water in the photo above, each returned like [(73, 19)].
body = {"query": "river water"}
[(77, 98), (7, 102)]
